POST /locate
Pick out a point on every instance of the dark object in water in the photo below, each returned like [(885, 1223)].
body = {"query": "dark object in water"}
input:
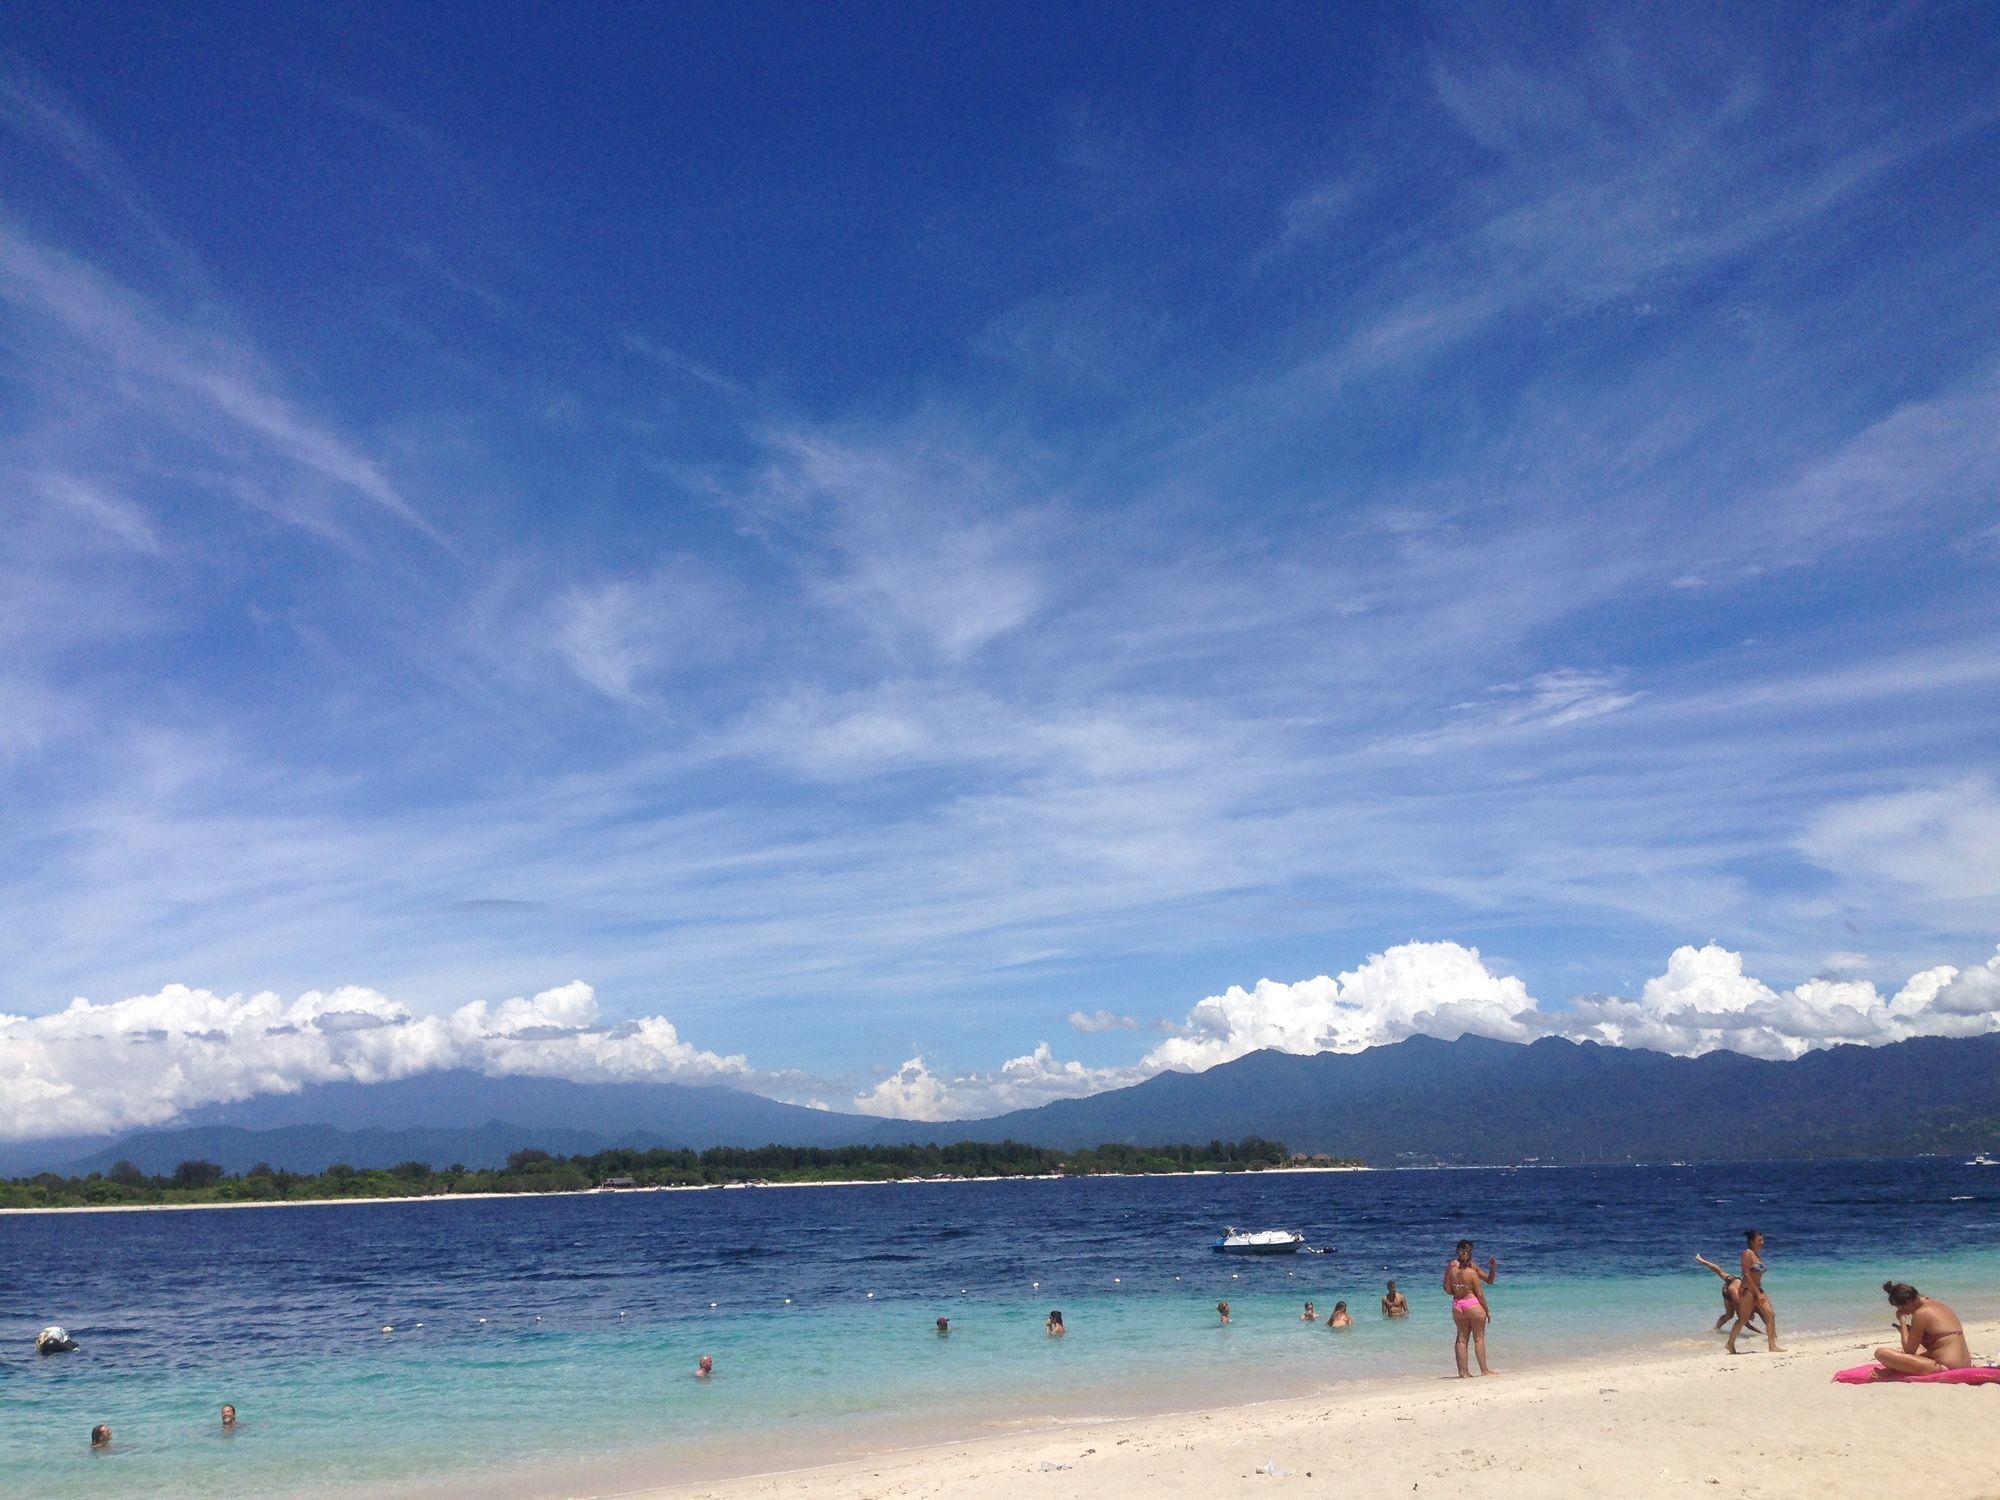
[(55, 1340)]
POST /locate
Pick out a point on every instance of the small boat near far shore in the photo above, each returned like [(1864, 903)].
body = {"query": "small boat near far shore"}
[(1983, 1160), (1260, 1242)]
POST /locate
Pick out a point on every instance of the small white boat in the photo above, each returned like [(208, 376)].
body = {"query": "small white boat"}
[(1983, 1160), (1260, 1242)]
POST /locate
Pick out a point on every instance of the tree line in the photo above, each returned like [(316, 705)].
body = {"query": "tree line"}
[(532, 1171)]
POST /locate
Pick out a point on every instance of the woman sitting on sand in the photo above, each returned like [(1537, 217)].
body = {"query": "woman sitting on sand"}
[(1340, 1317), (1732, 1294), (1752, 1299), (1933, 1335), (1466, 1285)]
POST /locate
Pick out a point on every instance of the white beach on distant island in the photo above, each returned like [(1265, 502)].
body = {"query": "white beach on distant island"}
[(1676, 1424)]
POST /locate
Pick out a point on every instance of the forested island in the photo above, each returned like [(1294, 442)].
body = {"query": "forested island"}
[(531, 1171)]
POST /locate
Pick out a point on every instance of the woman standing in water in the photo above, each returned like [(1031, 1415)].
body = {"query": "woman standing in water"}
[(1751, 1298), (1466, 1285), (1933, 1335)]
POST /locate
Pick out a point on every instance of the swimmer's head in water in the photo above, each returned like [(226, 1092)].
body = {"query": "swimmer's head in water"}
[(100, 1435), (228, 1416), (944, 1324), (1340, 1307), (1055, 1317), (1901, 1293), (707, 1365)]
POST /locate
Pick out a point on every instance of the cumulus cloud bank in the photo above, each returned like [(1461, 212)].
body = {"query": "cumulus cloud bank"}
[(142, 1061), (1703, 1002)]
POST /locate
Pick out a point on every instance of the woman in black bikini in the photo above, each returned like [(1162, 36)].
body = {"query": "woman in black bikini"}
[(1752, 1299), (1933, 1335)]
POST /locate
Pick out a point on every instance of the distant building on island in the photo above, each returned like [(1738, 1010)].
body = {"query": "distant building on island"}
[(615, 1182)]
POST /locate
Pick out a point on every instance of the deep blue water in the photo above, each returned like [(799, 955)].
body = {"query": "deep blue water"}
[(562, 1330)]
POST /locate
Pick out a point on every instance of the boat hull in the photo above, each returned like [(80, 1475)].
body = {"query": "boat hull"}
[(1289, 1249)]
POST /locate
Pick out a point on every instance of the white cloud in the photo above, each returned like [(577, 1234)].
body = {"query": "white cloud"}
[(1441, 989), (929, 553), (213, 389), (1705, 1002), (1092, 1022), (912, 1092), (1944, 841), (1702, 1003), (619, 634), (144, 1060)]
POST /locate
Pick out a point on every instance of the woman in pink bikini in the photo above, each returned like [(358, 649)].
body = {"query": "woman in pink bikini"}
[(1466, 1285)]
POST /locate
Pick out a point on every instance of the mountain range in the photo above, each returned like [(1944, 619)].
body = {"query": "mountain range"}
[(1473, 1100)]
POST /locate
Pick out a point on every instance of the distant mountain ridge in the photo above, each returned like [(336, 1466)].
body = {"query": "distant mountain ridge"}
[(1476, 1100), (445, 1117), (1472, 1100)]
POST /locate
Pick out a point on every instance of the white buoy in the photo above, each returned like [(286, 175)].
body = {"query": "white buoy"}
[(388, 1328), (1038, 1286), (1114, 1281), (482, 1320), (621, 1312), (788, 1301), (420, 1325), (711, 1304), (871, 1296)]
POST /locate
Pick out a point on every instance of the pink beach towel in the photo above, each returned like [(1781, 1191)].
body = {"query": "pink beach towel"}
[(1872, 1374)]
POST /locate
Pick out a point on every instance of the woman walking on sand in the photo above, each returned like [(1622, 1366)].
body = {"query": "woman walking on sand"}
[(1466, 1285), (1732, 1292), (1751, 1298)]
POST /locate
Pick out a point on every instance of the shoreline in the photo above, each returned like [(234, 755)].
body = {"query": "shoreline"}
[(1638, 1422), (706, 1187)]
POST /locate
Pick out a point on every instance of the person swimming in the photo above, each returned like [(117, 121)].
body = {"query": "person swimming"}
[(1732, 1294), (1751, 1298), (1340, 1317), (705, 1368), (1055, 1324), (1222, 1310), (228, 1417), (1933, 1336), (100, 1435), (1310, 1315), (944, 1327), (1466, 1283), (1394, 1303)]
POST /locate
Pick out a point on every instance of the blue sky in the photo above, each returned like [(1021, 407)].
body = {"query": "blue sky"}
[(860, 533)]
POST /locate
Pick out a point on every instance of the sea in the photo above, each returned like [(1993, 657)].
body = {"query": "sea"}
[(543, 1346)]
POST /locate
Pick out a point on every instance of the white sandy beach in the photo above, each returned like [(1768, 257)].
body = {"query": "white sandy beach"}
[(1758, 1424)]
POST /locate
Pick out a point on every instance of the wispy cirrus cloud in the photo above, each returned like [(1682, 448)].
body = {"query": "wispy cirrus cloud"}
[(1292, 598)]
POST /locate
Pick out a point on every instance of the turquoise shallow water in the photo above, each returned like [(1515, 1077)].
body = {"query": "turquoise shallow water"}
[(280, 1310)]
